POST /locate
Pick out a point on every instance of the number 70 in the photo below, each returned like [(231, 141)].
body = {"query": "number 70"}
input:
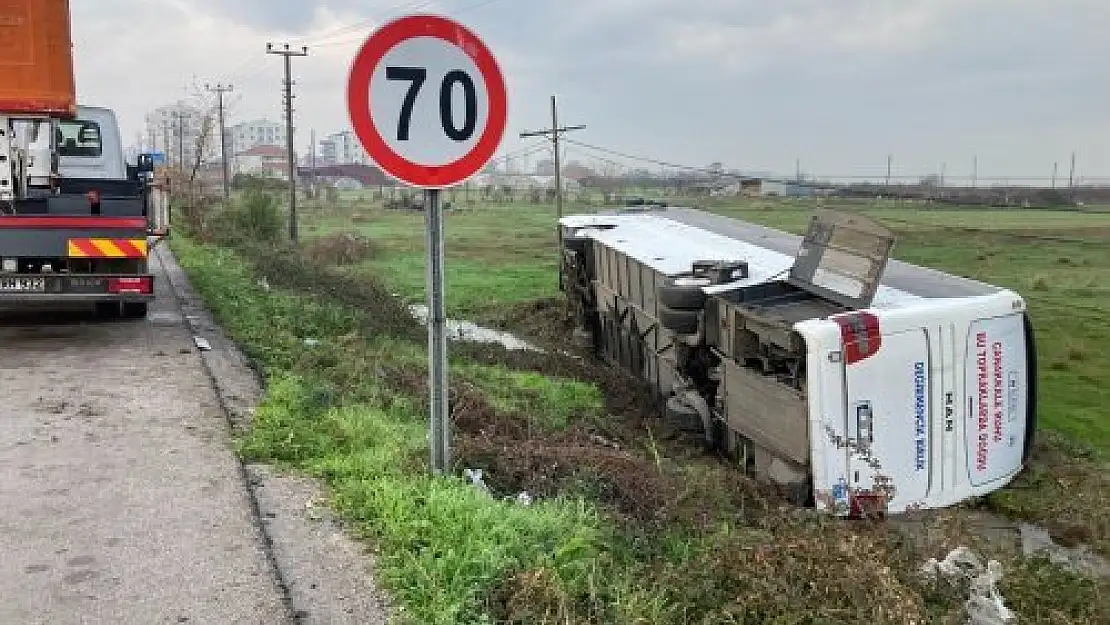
[(416, 77)]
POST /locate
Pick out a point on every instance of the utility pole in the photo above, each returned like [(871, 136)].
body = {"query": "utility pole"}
[(889, 166), (180, 117), (554, 134), (798, 169), (288, 54), (220, 90), (1071, 176), (1055, 170), (312, 155), (974, 171), (166, 140)]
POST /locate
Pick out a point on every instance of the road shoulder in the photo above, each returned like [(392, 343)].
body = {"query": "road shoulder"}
[(328, 576)]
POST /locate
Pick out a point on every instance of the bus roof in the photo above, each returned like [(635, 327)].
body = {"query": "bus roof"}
[(670, 240)]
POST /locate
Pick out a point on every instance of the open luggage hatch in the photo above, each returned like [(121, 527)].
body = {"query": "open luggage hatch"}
[(842, 258)]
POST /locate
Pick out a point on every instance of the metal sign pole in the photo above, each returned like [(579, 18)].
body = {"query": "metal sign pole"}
[(437, 336)]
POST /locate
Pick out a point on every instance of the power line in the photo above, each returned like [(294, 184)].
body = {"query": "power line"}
[(323, 39), (643, 159), (539, 146)]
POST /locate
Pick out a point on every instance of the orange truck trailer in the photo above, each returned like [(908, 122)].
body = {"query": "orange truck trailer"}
[(73, 214)]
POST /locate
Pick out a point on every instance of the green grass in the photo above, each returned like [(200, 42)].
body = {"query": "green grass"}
[(350, 412), (1065, 283), (445, 545), (553, 403), (520, 240)]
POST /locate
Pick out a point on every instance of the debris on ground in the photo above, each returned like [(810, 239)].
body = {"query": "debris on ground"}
[(985, 606), (1036, 541), (475, 477), (202, 343)]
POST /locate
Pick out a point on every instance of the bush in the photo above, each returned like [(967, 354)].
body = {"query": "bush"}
[(247, 182), (340, 249), (254, 219)]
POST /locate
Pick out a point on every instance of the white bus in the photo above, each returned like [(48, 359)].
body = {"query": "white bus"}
[(862, 385)]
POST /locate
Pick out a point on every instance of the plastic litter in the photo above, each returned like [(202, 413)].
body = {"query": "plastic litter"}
[(524, 499), (202, 343), (985, 605), (475, 477), (312, 342)]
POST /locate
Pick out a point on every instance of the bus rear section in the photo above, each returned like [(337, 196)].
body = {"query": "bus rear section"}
[(921, 407)]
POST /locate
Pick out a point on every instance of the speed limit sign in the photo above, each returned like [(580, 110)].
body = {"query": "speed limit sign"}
[(427, 100)]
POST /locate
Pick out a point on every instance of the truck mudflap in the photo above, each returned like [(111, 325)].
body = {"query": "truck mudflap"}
[(76, 287)]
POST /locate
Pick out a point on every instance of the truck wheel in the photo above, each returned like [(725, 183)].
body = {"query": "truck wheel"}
[(134, 310), (679, 321), (683, 293)]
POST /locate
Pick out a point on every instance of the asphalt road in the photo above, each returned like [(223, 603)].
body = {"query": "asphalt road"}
[(121, 500)]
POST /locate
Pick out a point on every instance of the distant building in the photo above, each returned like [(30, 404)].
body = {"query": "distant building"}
[(329, 152), (342, 148), (268, 161), (778, 188), (247, 135), (174, 129), (576, 171), (545, 167)]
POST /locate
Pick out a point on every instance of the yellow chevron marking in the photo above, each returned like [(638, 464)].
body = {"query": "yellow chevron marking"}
[(106, 248)]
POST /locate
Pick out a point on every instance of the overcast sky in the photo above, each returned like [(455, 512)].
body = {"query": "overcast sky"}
[(754, 84)]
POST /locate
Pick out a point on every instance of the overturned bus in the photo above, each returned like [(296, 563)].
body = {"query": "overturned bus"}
[(859, 384)]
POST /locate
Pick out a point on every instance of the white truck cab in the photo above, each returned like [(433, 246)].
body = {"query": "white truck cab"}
[(90, 145)]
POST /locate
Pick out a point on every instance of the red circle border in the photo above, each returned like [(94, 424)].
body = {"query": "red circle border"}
[(358, 100)]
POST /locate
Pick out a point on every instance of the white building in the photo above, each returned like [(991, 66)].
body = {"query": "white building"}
[(268, 161), (244, 136), (173, 130), (342, 148)]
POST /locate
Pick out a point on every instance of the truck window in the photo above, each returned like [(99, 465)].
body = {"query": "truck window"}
[(79, 138)]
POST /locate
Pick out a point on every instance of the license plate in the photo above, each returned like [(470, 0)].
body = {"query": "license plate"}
[(22, 285)]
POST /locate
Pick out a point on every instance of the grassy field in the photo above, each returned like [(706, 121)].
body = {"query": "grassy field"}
[(632, 525), (1059, 261)]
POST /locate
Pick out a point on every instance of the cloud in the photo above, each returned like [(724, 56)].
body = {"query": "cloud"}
[(752, 83)]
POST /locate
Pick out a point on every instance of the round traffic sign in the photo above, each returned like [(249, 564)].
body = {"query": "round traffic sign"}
[(427, 100)]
